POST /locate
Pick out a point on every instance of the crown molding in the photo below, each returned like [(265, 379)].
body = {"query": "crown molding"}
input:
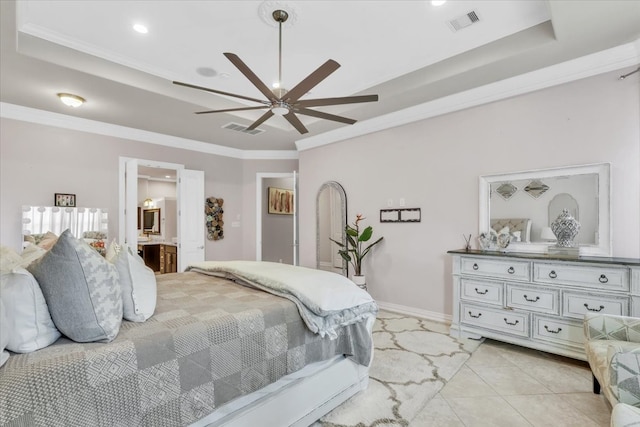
[(32, 115), (579, 68)]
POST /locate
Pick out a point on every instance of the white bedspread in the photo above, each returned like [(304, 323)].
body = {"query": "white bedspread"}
[(325, 300)]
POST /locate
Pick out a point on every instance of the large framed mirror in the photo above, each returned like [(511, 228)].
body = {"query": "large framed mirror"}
[(528, 201), (331, 219)]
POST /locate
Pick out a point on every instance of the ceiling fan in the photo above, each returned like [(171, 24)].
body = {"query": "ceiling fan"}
[(282, 102)]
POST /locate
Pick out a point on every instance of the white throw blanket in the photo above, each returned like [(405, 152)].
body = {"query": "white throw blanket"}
[(325, 300)]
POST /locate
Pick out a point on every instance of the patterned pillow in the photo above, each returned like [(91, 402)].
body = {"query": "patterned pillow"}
[(138, 282), (81, 289)]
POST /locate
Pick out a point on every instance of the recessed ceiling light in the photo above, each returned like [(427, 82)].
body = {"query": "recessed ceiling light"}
[(140, 28), (167, 176), (438, 2), (71, 100)]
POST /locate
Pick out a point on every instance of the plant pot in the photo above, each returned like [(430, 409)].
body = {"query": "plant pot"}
[(360, 281)]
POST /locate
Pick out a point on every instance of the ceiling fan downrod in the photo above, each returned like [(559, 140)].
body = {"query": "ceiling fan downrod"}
[(280, 16)]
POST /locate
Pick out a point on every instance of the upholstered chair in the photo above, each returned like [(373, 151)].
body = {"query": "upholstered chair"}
[(612, 345)]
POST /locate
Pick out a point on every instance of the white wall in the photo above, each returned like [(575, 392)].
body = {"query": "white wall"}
[(434, 165), (37, 161)]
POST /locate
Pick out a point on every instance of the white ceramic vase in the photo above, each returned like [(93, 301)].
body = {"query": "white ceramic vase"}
[(360, 281)]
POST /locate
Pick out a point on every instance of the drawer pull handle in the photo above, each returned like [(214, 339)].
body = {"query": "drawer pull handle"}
[(511, 324), (475, 266), (553, 274), (532, 299), (511, 270), (552, 331), (593, 309), (480, 292), (475, 317), (603, 279)]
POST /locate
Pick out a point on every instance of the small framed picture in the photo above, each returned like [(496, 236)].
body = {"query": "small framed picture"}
[(65, 200)]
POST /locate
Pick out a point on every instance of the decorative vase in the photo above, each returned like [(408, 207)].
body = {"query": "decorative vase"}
[(565, 228), (360, 281)]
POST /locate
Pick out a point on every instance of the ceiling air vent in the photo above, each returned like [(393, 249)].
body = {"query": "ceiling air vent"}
[(240, 128), (463, 21)]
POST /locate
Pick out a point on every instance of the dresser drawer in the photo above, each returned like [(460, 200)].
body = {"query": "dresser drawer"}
[(577, 304), (482, 291), (611, 278), (508, 321), (541, 300), (560, 331), (508, 269)]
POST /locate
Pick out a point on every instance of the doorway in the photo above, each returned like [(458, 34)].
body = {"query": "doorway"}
[(188, 235), (276, 235)]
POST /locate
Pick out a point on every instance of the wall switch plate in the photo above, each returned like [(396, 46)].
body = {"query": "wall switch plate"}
[(402, 202), (235, 224)]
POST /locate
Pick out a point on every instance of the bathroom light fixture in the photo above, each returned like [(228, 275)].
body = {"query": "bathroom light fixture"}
[(71, 100), (148, 203)]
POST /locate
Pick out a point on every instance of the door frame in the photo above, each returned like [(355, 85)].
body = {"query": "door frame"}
[(122, 205), (260, 191)]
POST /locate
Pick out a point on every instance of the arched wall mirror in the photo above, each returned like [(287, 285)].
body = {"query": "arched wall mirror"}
[(532, 197), (331, 219)]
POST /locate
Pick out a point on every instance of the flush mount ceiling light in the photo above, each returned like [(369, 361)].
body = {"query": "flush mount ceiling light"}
[(140, 28), (71, 100)]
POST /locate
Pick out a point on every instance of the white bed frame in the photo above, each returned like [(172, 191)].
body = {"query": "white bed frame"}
[(296, 400)]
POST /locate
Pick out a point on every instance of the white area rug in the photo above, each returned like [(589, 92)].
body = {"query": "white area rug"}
[(414, 358)]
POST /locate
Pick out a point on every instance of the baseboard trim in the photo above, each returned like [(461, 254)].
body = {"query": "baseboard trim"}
[(416, 312)]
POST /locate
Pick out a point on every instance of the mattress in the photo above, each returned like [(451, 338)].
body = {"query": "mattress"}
[(209, 342)]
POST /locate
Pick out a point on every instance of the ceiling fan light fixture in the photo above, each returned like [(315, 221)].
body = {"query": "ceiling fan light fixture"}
[(280, 110), (71, 100)]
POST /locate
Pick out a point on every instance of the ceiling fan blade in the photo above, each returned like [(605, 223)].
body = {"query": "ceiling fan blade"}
[(336, 101), (261, 120), (233, 109), (244, 69), (311, 81), (220, 92), (327, 116), (295, 122)]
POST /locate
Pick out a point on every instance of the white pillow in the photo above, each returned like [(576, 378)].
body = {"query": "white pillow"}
[(27, 312), (138, 283), (4, 334), (9, 259), (30, 254)]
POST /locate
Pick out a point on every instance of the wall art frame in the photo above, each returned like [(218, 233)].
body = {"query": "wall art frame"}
[(64, 200), (280, 201)]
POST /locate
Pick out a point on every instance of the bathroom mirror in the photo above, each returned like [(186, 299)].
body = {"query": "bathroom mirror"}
[(151, 221), (81, 222), (583, 189), (331, 219)]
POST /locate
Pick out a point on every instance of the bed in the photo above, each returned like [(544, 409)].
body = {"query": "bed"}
[(217, 351), (519, 228)]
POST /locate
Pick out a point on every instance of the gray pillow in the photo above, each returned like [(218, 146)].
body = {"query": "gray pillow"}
[(81, 289)]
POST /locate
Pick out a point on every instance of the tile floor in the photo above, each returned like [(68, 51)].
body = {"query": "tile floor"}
[(507, 385)]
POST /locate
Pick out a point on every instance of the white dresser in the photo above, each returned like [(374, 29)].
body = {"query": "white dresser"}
[(537, 300)]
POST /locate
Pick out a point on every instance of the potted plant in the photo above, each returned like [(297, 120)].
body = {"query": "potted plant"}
[(355, 250)]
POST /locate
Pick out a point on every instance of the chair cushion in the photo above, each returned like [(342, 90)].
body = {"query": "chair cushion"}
[(597, 355), (624, 415), (624, 372)]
